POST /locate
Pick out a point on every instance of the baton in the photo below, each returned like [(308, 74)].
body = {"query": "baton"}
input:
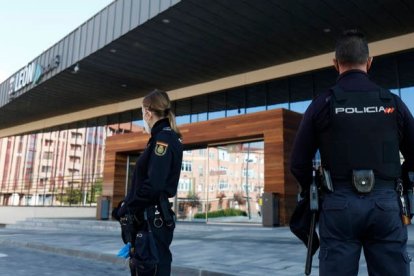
[(314, 207)]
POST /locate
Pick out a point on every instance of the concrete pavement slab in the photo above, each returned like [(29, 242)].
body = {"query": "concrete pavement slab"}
[(198, 249)]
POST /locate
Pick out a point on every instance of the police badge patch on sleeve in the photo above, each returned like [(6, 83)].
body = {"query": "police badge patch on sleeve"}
[(160, 148)]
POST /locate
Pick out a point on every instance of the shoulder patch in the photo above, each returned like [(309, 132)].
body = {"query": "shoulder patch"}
[(160, 148)]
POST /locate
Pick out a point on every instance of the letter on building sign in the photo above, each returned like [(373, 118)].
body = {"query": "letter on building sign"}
[(32, 73), (24, 77)]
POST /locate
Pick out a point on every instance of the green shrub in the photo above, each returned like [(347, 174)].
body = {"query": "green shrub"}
[(222, 213)]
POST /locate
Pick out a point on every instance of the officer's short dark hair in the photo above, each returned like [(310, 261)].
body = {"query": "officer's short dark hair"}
[(352, 48)]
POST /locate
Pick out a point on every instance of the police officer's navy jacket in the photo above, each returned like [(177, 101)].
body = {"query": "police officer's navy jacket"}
[(157, 169), (356, 125)]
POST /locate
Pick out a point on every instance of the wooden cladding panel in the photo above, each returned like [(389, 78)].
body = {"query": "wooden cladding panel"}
[(276, 127), (291, 124)]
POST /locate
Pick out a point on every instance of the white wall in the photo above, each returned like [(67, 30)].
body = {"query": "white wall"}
[(12, 214)]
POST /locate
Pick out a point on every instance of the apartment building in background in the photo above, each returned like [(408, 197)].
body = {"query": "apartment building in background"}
[(55, 168)]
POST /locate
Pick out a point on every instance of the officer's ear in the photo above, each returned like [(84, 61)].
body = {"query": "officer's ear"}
[(335, 63), (369, 63), (146, 114)]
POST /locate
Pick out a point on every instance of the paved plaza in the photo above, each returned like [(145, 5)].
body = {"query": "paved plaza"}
[(198, 249)]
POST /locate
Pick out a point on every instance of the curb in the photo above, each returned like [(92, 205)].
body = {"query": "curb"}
[(176, 270)]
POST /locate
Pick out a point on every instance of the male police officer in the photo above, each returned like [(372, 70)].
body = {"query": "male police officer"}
[(359, 129)]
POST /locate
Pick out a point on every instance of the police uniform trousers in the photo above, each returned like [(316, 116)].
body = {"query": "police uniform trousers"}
[(163, 238), (350, 221)]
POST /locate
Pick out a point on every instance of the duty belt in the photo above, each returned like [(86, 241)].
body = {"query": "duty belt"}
[(162, 213), (379, 184)]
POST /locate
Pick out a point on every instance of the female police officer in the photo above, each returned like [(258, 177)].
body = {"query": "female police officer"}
[(156, 176)]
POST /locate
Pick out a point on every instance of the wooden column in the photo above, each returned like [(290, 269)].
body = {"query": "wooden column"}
[(276, 127)]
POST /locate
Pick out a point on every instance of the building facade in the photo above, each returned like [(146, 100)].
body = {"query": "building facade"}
[(219, 61), (56, 168)]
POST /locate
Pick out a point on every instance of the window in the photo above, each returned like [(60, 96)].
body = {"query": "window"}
[(300, 107), (76, 135), (250, 173), (223, 169), (407, 95), (223, 185), (256, 98), (46, 169), (184, 185), (48, 155), (223, 155), (75, 147), (73, 171), (184, 119), (42, 181), (216, 105), (251, 158), (48, 142), (186, 166), (75, 159)]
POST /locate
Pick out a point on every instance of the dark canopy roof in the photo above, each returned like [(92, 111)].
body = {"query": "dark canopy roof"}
[(131, 47)]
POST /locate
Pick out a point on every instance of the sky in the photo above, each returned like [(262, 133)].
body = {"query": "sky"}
[(30, 27)]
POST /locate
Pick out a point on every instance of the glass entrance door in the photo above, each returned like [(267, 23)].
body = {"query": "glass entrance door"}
[(218, 183), (222, 183), (131, 160)]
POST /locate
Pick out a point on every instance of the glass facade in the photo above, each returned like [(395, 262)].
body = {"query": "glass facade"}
[(58, 168), (49, 168), (394, 72), (222, 180)]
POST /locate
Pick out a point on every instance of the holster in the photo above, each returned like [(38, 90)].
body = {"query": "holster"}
[(166, 212), (363, 180), (130, 224)]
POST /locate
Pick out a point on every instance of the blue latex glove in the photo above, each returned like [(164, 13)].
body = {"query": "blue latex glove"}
[(124, 251)]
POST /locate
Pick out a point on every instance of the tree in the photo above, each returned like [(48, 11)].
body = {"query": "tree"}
[(220, 197), (193, 200), (71, 196), (238, 197), (96, 191)]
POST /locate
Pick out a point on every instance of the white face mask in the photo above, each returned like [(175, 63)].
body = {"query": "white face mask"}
[(147, 127)]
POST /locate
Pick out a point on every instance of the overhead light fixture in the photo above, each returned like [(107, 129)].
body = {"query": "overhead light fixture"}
[(166, 21), (113, 51), (327, 30), (124, 85), (75, 69)]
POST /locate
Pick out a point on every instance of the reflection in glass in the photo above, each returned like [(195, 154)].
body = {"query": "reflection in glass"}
[(407, 95), (184, 119), (395, 91), (300, 106), (276, 106), (255, 109), (199, 117), (221, 180), (234, 112), (131, 160), (216, 115)]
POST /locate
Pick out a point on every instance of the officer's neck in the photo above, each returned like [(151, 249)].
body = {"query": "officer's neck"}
[(345, 68)]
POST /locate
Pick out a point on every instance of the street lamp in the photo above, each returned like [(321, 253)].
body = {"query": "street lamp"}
[(248, 160)]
